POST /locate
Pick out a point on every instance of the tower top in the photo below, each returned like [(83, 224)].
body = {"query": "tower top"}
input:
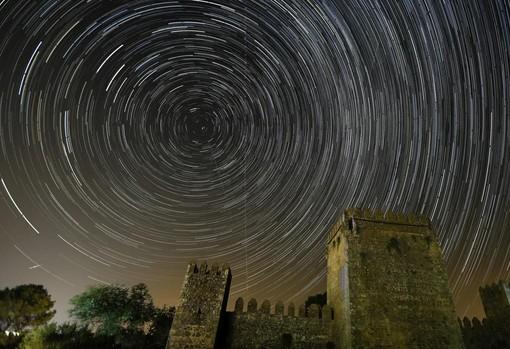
[(385, 217), (351, 216)]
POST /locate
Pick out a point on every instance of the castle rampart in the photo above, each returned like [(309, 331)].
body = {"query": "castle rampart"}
[(387, 288), (494, 330), (268, 327)]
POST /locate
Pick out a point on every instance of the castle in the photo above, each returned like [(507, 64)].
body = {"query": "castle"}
[(386, 288), (494, 330)]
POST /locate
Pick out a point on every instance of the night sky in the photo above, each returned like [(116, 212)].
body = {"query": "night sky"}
[(136, 136)]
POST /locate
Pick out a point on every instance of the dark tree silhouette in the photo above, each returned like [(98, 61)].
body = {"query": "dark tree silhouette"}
[(127, 315), (24, 306)]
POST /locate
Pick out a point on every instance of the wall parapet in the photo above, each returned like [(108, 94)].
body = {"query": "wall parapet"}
[(387, 217), (378, 216), (495, 286), (204, 268), (314, 311)]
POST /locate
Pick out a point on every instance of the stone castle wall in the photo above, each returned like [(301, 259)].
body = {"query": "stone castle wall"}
[(262, 328), (493, 331), (388, 284), (202, 306), (496, 299), (387, 288)]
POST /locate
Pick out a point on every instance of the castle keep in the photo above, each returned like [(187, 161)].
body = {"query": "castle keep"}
[(386, 288), (387, 284)]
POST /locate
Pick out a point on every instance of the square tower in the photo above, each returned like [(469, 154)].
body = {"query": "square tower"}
[(496, 300), (201, 308), (387, 284)]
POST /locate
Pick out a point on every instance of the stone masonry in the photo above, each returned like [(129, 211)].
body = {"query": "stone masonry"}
[(387, 284), (262, 328), (386, 287), (496, 299), (203, 302)]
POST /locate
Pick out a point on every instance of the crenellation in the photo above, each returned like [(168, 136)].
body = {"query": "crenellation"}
[(252, 305), (279, 308), (225, 268), (496, 299), (202, 305), (291, 310), (387, 287), (390, 265), (380, 216), (192, 268), (265, 308), (265, 330), (239, 306), (215, 268), (313, 311), (203, 268), (492, 331)]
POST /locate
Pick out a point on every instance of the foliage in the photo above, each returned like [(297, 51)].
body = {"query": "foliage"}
[(24, 306), (110, 310), (66, 336), (128, 316), (111, 317)]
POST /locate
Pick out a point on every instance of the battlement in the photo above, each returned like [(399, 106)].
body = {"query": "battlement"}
[(496, 299), (386, 217), (202, 304), (205, 269), (314, 311), (378, 216), (468, 324), (487, 333), (495, 287)]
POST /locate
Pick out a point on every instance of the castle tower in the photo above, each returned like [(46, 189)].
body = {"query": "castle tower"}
[(496, 299), (201, 308), (387, 284)]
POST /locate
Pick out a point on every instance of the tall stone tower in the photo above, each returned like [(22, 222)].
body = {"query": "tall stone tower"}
[(387, 284), (496, 299), (201, 308)]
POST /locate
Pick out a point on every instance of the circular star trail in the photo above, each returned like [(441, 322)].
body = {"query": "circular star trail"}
[(136, 136)]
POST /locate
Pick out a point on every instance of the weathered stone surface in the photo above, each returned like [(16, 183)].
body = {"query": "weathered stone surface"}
[(496, 299), (327, 313), (265, 307), (203, 302), (494, 330), (252, 306), (239, 307), (313, 311), (260, 330), (291, 311), (279, 308), (387, 284), (387, 288)]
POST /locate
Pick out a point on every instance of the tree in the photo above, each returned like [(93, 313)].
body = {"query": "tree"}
[(65, 336), (25, 306), (114, 310)]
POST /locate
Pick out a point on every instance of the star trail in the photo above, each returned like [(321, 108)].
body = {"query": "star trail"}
[(136, 136)]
